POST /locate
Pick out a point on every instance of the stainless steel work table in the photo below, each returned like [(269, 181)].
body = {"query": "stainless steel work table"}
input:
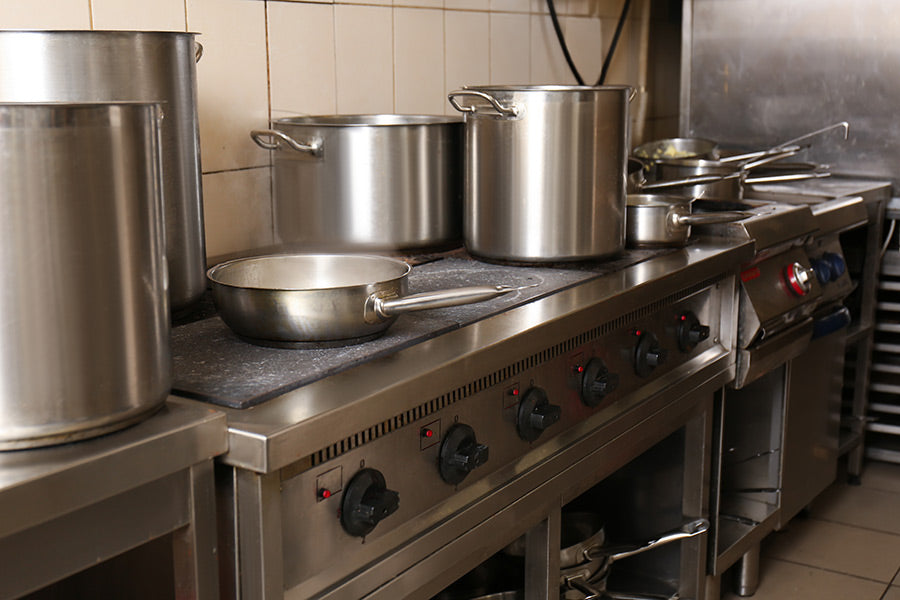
[(69, 507)]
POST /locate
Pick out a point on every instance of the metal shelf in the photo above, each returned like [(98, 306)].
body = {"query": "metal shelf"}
[(893, 409)]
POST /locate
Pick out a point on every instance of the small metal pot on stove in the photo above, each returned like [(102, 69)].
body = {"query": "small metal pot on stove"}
[(658, 220)]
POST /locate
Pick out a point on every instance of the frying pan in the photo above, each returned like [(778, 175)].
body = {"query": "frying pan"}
[(319, 300)]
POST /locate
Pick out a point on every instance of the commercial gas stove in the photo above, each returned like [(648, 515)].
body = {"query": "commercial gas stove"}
[(391, 468)]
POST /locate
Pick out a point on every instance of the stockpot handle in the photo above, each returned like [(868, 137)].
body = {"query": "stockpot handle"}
[(612, 554), (379, 309), (314, 147), (198, 51), (506, 111)]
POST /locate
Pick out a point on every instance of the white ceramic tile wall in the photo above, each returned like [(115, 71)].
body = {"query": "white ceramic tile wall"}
[(274, 58)]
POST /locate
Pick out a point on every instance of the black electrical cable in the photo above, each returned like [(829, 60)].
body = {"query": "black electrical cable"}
[(565, 48)]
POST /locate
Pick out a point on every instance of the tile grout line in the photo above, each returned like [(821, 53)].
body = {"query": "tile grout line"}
[(826, 570)]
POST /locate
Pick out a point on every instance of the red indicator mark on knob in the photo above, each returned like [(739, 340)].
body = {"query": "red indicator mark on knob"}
[(323, 494), (427, 433)]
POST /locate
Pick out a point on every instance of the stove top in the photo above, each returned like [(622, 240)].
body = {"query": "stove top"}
[(212, 364)]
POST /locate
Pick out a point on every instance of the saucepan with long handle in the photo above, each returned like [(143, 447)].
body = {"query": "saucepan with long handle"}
[(301, 300)]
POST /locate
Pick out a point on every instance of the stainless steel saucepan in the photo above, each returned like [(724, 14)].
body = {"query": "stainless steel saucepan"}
[(654, 220), (302, 300)]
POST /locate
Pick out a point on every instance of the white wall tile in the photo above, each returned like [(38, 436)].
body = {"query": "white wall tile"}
[(467, 51), (467, 4), (364, 59), (587, 46), (237, 210), (301, 59), (271, 2), (232, 81), (419, 61), (139, 15), (45, 14), (510, 48), (420, 3), (516, 6), (548, 64), (376, 2)]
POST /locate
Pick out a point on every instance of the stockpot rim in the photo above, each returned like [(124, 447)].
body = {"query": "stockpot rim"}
[(368, 120)]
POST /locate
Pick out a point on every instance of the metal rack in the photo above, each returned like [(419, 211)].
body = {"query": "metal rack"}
[(883, 423)]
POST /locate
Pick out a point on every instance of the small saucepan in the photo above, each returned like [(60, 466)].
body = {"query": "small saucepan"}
[(317, 300), (657, 220)]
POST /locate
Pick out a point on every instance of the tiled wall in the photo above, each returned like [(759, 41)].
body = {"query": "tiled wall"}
[(268, 59)]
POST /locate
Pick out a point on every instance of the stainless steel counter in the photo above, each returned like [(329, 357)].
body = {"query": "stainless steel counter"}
[(69, 507)]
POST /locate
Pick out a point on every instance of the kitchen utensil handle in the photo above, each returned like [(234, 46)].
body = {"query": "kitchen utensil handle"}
[(687, 530), (805, 136), (506, 111), (791, 177), (313, 147), (711, 218), (760, 154), (589, 591), (769, 158), (386, 308), (198, 51), (695, 180)]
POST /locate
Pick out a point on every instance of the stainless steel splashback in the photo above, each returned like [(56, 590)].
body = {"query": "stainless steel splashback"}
[(758, 72)]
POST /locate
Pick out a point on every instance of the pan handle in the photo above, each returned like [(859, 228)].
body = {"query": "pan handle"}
[(712, 218), (687, 530), (380, 308), (314, 147), (695, 180), (791, 177)]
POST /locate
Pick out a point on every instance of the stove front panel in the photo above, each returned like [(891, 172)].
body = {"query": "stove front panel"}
[(510, 421)]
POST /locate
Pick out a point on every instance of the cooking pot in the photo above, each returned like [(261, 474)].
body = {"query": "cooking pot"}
[(112, 66), (84, 347), (655, 220), (676, 148), (367, 182), (301, 300), (544, 171)]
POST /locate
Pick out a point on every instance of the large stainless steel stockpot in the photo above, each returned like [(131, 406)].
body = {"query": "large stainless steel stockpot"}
[(113, 66), (544, 171), (84, 347), (367, 182)]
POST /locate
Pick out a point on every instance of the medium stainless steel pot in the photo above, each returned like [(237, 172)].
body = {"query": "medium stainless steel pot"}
[(367, 182), (676, 148), (84, 347), (544, 171), (298, 300), (113, 66), (655, 220)]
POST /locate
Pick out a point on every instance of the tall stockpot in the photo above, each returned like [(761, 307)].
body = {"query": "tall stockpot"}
[(367, 182), (84, 347), (114, 66), (544, 171)]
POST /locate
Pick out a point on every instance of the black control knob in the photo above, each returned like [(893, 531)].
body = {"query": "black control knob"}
[(597, 382), (690, 331), (648, 354), (460, 453), (822, 269), (366, 502), (535, 414)]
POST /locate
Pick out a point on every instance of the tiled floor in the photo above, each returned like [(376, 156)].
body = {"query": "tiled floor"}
[(847, 548)]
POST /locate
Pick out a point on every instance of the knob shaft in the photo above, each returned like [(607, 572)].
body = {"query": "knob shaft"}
[(535, 414), (597, 382), (691, 331), (648, 354), (460, 454), (366, 502)]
